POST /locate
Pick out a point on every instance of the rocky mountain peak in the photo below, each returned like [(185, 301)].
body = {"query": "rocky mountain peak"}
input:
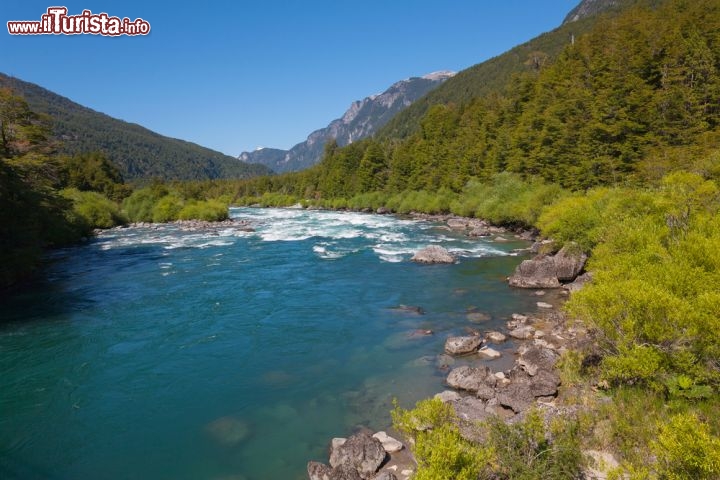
[(587, 8), (362, 119)]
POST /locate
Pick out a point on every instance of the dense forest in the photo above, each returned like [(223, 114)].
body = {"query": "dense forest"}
[(633, 99)]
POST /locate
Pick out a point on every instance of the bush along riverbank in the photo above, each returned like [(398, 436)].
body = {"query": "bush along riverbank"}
[(622, 381)]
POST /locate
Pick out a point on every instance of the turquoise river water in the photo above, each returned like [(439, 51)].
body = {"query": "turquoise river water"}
[(160, 353)]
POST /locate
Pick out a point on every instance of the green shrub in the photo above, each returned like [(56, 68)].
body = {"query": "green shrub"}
[(439, 448), (209, 210), (167, 209), (506, 199), (685, 448), (96, 210), (529, 450), (139, 205)]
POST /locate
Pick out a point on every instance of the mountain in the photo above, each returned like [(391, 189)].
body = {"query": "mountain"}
[(492, 75), (138, 152), (362, 119), (588, 8)]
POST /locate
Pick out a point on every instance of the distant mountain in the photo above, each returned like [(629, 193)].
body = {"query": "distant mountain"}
[(362, 119), (137, 151), (493, 75)]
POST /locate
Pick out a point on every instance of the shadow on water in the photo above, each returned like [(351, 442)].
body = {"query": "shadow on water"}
[(52, 292), (14, 468)]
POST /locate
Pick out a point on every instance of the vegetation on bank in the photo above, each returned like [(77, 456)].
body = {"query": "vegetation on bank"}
[(48, 199)]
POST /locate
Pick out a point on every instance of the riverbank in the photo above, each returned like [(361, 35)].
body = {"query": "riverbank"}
[(479, 389)]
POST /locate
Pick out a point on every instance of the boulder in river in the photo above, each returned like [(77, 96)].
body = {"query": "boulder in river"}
[(496, 337), (320, 471), (433, 254), (360, 452), (463, 345)]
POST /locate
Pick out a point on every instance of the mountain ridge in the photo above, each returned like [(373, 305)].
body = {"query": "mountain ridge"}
[(139, 152), (360, 120), (493, 74)]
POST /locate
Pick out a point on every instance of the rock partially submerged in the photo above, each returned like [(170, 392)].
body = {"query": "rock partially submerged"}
[(228, 431), (433, 254), (409, 309), (360, 453), (545, 271), (496, 337), (489, 353), (463, 345)]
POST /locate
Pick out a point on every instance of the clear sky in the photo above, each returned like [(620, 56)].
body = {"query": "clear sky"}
[(235, 75)]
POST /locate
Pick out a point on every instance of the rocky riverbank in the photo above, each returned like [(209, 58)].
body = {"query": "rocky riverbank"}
[(476, 390)]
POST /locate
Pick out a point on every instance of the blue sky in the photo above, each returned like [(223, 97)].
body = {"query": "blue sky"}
[(236, 75)]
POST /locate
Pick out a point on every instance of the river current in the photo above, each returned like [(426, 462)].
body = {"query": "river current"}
[(158, 352)]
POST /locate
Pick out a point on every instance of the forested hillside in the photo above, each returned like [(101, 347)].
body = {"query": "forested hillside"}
[(138, 152), (636, 97), (492, 75)]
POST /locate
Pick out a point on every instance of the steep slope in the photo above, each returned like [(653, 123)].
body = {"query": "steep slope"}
[(588, 8), (362, 119), (493, 74), (139, 153)]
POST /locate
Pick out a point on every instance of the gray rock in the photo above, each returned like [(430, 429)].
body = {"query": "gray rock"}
[(489, 353), (479, 232), (385, 476), (522, 333), (523, 389), (448, 396), (544, 384), (569, 262), (463, 345), (457, 223), (337, 442), (536, 273), (318, 471), (433, 254), (382, 211), (390, 444), (579, 283), (536, 358), (543, 305), (496, 337), (471, 409), (516, 396), (360, 452), (549, 271), (472, 379)]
